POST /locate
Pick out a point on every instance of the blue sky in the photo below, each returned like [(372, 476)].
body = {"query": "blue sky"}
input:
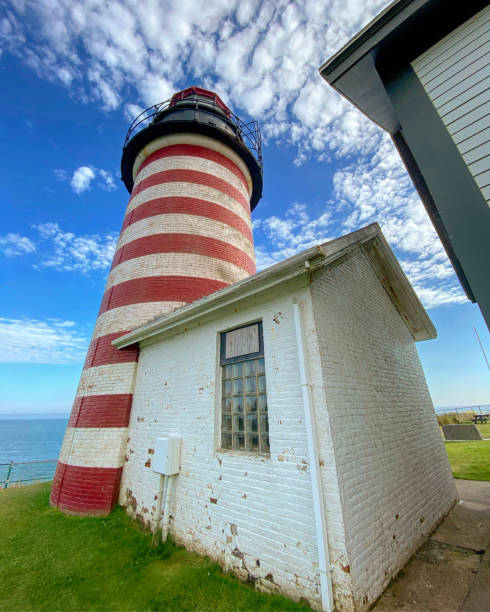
[(75, 73)]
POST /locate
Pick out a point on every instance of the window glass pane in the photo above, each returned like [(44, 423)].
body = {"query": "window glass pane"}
[(226, 422), (264, 424), (226, 440), (250, 385), (239, 441), (250, 368), (253, 442), (226, 404), (244, 414), (252, 423), (263, 403), (264, 444), (238, 405), (238, 424), (251, 403)]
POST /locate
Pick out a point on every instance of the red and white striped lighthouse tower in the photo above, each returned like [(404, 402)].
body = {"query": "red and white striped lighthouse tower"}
[(186, 233)]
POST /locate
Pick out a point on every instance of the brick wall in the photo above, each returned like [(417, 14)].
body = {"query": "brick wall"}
[(383, 465), (251, 513), (394, 477)]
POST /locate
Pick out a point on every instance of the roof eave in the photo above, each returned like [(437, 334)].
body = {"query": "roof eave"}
[(250, 286), (399, 289), (369, 37), (304, 263), (404, 30)]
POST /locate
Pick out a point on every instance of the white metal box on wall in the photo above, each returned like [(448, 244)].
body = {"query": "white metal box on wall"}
[(167, 455)]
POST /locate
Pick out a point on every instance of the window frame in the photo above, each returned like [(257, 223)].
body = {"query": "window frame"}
[(222, 362), (222, 345)]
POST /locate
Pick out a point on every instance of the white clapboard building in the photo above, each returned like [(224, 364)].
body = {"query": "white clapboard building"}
[(421, 70)]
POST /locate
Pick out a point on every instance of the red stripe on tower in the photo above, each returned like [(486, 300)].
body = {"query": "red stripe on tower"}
[(190, 176), (101, 410), (184, 243), (194, 151), (85, 490), (187, 206), (189, 212), (101, 351), (159, 289)]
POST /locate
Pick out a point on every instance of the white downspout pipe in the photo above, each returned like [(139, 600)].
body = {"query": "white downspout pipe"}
[(316, 483), (167, 492), (158, 513)]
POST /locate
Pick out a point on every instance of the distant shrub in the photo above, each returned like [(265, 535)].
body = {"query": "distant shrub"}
[(454, 418)]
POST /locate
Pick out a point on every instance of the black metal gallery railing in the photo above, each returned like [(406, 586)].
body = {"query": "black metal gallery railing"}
[(249, 131)]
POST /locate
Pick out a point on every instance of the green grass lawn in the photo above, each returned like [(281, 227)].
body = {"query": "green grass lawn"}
[(484, 430), (469, 460), (51, 562)]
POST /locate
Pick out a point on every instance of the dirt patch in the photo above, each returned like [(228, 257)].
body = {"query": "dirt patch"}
[(467, 526), (450, 572), (438, 578)]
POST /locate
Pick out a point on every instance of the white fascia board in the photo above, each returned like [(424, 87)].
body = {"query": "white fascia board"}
[(399, 289)]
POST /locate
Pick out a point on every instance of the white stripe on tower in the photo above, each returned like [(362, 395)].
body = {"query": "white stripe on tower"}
[(188, 190), (188, 225)]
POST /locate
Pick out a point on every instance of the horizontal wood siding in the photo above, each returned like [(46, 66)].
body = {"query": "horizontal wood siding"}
[(455, 74)]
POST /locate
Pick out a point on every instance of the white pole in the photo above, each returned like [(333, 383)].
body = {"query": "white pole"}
[(158, 513), (167, 492), (482, 349), (316, 484)]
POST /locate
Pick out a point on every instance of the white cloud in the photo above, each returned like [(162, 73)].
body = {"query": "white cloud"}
[(33, 341), (106, 181), (372, 188), (64, 251), (13, 244), (155, 89), (82, 178), (289, 235), (61, 175), (261, 57), (131, 111)]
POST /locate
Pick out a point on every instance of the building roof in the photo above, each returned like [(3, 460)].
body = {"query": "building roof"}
[(361, 69), (369, 238), (399, 34)]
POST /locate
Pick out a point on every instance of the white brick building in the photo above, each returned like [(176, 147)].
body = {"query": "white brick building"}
[(333, 330)]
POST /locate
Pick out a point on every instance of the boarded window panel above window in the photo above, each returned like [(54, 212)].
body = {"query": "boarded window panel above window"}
[(242, 341)]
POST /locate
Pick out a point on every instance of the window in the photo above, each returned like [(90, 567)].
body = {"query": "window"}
[(244, 415)]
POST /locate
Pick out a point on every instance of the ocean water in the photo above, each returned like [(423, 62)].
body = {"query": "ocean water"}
[(30, 439)]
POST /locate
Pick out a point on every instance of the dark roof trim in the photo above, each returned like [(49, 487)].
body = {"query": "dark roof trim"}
[(367, 38), (421, 186), (399, 34)]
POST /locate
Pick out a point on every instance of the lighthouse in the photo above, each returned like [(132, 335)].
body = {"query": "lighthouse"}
[(194, 172)]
